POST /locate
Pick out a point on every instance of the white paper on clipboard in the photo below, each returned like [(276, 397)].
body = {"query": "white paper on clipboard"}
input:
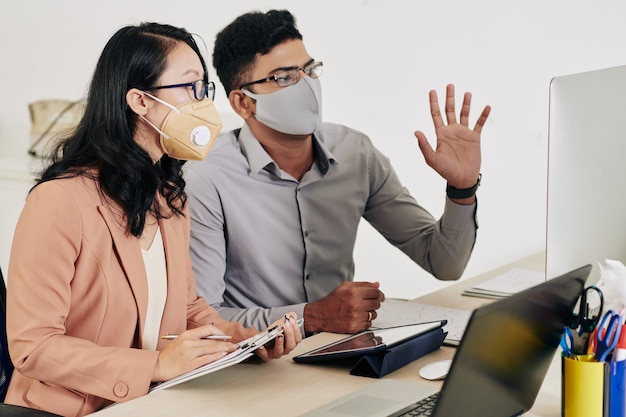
[(247, 348)]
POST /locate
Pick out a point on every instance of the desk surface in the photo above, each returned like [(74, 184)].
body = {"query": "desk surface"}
[(284, 388)]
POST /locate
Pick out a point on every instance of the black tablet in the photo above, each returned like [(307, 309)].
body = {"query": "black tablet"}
[(366, 342)]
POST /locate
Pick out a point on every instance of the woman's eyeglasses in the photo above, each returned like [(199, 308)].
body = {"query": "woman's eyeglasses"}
[(201, 88)]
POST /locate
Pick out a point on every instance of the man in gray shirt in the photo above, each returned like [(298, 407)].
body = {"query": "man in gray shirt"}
[(276, 204)]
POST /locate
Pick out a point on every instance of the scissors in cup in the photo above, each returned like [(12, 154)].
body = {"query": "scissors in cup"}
[(589, 312), (607, 337), (572, 343)]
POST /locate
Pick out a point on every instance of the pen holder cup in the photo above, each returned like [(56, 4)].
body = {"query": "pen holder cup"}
[(592, 389)]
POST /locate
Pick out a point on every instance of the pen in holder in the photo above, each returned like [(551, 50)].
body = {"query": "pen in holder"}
[(617, 389)]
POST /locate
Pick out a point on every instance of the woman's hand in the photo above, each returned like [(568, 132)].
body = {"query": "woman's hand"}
[(189, 351), (283, 343)]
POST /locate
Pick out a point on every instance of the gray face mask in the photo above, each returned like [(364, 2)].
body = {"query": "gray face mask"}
[(294, 110)]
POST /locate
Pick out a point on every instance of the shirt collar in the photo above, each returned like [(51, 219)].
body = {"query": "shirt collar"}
[(259, 159), (254, 152)]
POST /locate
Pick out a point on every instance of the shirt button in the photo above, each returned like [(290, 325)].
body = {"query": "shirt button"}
[(306, 234), (120, 390), (307, 276)]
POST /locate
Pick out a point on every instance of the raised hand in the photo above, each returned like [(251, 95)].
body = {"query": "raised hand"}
[(457, 157)]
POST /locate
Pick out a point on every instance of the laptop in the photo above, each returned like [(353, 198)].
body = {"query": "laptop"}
[(499, 366)]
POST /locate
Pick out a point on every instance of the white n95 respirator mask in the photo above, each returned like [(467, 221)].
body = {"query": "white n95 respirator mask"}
[(189, 130)]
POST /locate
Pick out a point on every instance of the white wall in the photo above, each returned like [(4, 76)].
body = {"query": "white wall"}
[(380, 59)]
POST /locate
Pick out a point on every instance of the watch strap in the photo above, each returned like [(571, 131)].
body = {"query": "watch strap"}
[(461, 193)]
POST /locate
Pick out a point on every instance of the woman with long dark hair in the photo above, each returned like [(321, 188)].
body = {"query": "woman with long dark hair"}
[(100, 266)]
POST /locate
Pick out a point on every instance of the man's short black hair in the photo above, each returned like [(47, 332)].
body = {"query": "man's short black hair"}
[(249, 35)]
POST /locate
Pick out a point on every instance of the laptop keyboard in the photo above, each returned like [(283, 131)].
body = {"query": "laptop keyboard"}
[(423, 408)]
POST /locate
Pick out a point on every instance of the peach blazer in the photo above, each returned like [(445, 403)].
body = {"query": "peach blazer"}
[(77, 301)]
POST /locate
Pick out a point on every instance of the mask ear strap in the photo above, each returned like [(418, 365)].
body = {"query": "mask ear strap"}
[(248, 93), (166, 136), (163, 102)]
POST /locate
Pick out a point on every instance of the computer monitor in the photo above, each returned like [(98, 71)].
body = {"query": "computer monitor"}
[(586, 201)]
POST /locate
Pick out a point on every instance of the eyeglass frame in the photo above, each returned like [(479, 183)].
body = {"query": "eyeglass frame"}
[(306, 68), (209, 88)]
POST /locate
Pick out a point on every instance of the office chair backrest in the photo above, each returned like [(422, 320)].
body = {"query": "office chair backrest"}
[(6, 367)]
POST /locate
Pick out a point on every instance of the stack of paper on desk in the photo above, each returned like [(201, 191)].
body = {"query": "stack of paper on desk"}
[(395, 312), (508, 283)]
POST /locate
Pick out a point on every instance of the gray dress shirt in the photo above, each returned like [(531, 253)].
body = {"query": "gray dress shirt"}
[(264, 244)]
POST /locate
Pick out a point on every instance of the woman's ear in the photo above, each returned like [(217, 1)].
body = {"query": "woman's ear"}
[(241, 104), (137, 101)]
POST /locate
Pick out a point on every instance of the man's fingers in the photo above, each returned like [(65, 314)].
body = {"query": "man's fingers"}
[(427, 151), (371, 315), (434, 109), (482, 119), (450, 105), (365, 291), (465, 109)]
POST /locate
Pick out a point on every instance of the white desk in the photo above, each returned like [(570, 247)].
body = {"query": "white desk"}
[(284, 388)]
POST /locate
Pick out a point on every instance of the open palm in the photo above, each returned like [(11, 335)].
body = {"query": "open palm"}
[(457, 157)]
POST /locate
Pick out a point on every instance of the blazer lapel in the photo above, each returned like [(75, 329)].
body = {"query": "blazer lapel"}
[(131, 260)]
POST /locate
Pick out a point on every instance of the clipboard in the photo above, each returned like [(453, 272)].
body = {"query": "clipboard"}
[(246, 350)]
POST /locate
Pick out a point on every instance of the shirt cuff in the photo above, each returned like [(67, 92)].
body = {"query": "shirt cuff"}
[(460, 217)]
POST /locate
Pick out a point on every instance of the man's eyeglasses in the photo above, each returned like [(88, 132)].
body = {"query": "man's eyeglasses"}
[(201, 89), (291, 76)]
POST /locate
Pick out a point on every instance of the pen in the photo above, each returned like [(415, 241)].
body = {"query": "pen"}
[(172, 336), (620, 349)]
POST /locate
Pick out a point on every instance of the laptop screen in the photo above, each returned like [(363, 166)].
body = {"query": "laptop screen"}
[(507, 349)]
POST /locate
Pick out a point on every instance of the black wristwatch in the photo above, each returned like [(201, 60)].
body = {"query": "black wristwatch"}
[(460, 193)]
